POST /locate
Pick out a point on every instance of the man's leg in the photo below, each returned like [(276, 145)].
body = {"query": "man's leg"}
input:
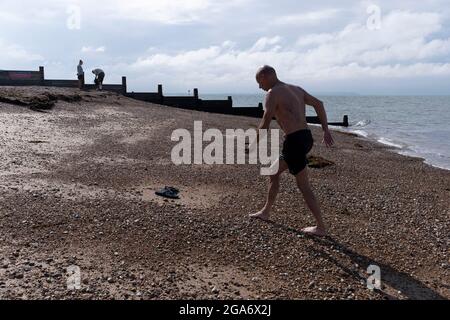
[(274, 186), (101, 77), (311, 202)]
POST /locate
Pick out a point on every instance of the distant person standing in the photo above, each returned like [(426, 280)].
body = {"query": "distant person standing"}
[(99, 77), (80, 74)]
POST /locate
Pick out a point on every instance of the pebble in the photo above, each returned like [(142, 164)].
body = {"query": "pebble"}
[(26, 268)]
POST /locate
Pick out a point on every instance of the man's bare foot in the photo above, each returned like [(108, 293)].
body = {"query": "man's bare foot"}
[(263, 215), (315, 231)]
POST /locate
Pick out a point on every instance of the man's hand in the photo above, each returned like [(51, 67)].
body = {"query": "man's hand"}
[(327, 138)]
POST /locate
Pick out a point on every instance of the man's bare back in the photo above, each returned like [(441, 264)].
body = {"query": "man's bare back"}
[(290, 107)]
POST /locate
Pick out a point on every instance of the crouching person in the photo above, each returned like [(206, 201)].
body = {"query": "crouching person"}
[(99, 77)]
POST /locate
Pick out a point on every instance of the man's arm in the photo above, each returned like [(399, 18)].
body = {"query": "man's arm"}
[(269, 113), (321, 113), (319, 107)]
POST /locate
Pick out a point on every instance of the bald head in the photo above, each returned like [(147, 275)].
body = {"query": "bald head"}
[(266, 71), (266, 77)]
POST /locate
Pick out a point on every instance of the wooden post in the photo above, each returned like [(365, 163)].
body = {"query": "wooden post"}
[(230, 101), (198, 103), (124, 85), (346, 121), (160, 93), (41, 71)]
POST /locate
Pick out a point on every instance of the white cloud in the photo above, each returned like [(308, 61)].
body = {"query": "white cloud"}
[(402, 38), (24, 12), (353, 53), (265, 42), (356, 71), (10, 17), (306, 18), (314, 39), (173, 11), (13, 54), (160, 11), (93, 50), (169, 12)]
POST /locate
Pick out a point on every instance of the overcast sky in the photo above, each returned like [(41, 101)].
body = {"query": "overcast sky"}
[(366, 47)]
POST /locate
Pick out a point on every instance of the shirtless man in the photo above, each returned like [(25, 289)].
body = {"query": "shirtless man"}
[(287, 103)]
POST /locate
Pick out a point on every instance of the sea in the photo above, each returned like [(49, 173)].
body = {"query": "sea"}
[(416, 126)]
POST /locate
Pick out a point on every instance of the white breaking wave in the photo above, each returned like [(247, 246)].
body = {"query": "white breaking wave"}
[(389, 143), (362, 123), (360, 133)]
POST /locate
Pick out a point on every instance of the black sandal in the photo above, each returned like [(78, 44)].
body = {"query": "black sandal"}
[(168, 192)]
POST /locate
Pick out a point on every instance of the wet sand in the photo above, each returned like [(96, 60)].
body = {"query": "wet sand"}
[(77, 188)]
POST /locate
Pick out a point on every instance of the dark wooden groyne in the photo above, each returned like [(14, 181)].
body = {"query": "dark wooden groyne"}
[(214, 106), (37, 78)]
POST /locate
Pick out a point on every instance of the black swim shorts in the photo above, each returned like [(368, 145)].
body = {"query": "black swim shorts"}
[(295, 148)]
